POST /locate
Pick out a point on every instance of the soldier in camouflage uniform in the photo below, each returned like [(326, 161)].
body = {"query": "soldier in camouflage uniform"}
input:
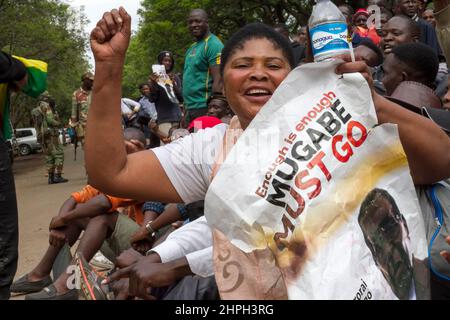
[(47, 126), (81, 101)]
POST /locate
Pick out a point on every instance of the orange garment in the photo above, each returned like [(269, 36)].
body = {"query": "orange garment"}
[(133, 208), (370, 33)]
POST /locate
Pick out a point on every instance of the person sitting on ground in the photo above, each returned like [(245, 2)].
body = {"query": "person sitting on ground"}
[(171, 216), (255, 56), (410, 62), (218, 107), (96, 214)]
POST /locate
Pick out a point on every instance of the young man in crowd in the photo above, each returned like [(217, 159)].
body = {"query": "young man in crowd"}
[(202, 65), (428, 36), (218, 107), (297, 48), (104, 228), (410, 62), (369, 52), (396, 31)]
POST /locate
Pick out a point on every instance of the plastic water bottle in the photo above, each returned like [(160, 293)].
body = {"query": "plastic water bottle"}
[(328, 31)]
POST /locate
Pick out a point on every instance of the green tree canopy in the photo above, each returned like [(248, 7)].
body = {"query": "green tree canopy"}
[(163, 26), (51, 31)]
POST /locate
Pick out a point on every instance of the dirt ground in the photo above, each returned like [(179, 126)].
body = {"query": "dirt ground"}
[(38, 202)]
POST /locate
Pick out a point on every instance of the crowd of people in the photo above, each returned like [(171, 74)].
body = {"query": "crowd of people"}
[(144, 211)]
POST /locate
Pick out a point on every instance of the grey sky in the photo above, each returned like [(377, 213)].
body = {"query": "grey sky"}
[(94, 10)]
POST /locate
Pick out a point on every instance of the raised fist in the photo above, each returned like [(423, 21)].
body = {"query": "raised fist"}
[(111, 37)]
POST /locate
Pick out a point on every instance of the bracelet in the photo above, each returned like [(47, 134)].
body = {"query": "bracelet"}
[(150, 230)]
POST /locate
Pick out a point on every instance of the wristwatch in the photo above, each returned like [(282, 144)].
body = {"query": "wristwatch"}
[(149, 228)]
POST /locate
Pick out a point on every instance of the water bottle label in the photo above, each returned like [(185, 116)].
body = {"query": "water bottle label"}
[(329, 37)]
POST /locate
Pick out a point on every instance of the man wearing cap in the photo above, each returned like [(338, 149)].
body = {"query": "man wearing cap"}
[(201, 77), (13, 76), (81, 101), (47, 125)]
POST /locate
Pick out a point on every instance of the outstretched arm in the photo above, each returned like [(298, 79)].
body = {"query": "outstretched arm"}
[(109, 167), (426, 146)]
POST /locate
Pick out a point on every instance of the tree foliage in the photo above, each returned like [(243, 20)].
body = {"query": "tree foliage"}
[(51, 31), (163, 27)]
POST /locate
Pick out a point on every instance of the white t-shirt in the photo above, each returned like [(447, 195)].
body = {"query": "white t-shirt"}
[(188, 163), (127, 106)]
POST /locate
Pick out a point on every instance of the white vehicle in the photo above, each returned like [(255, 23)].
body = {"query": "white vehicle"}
[(27, 141)]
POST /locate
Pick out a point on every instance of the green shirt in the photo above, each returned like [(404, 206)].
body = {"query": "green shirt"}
[(197, 79)]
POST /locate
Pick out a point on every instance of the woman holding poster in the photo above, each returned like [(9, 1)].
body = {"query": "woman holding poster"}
[(255, 62)]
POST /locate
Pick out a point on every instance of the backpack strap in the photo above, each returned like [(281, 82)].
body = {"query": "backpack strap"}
[(439, 218)]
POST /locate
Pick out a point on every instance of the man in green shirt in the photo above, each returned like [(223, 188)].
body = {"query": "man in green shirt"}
[(201, 78)]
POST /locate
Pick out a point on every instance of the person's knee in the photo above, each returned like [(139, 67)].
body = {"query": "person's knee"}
[(101, 221), (105, 221)]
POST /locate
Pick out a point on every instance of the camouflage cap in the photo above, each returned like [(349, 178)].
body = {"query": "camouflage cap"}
[(87, 75)]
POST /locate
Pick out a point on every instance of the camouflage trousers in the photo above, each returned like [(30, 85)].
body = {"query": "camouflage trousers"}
[(54, 155), (81, 132)]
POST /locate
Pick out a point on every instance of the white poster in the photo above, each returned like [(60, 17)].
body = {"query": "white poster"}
[(314, 181)]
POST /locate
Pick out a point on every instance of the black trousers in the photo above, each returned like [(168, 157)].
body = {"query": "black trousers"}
[(189, 288), (9, 233)]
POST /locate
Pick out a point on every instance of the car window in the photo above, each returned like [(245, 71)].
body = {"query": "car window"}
[(24, 133)]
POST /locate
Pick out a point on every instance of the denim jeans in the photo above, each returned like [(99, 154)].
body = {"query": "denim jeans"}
[(9, 233)]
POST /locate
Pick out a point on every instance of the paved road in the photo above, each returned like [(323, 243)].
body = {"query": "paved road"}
[(38, 202)]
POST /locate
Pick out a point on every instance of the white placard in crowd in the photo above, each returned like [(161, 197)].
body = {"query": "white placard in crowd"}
[(314, 180)]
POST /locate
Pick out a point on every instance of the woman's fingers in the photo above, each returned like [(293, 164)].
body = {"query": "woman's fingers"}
[(104, 27), (126, 21), (115, 14), (351, 67), (110, 23), (98, 35)]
